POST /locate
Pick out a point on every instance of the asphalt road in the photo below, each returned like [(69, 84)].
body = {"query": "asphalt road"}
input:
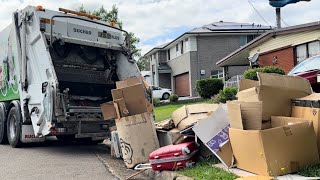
[(52, 160)]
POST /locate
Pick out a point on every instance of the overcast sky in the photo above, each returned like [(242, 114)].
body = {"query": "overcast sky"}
[(158, 21)]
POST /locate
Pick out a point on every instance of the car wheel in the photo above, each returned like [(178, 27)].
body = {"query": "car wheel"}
[(165, 96), (14, 127)]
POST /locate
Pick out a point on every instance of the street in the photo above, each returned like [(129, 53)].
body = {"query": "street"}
[(52, 160)]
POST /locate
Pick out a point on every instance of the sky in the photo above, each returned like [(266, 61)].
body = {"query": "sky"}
[(156, 22)]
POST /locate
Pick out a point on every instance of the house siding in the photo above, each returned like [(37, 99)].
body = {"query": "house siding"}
[(286, 40), (213, 48), (285, 59)]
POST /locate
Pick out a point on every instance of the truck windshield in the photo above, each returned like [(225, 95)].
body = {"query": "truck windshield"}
[(310, 64)]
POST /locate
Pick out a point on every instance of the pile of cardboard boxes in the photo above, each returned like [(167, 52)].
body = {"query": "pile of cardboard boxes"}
[(274, 124), (134, 121)]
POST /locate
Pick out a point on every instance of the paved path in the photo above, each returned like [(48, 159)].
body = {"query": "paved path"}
[(52, 161)]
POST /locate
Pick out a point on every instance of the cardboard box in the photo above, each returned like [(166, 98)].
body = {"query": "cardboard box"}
[(108, 111), (266, 125), (277, 121), (245, 115), (213, 132), (167, 137), (275, 92), (128, 82), (186, 116), (276, 151), (308, 108), (138, 138)]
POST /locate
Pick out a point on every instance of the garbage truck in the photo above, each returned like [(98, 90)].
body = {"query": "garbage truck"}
[(56, 68)]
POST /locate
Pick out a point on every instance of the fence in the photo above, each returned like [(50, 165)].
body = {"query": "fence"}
[(233, 81)]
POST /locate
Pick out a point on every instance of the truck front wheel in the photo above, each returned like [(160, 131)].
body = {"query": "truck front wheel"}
[(3, 125), (14, 127)]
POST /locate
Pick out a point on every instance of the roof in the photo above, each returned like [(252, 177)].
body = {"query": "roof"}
[(215, 28), (239, 56)]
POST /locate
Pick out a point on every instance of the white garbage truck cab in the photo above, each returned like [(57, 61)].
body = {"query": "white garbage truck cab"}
[(56, 68)]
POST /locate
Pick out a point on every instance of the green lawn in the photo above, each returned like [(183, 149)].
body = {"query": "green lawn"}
[(205, 170), (164, 112)]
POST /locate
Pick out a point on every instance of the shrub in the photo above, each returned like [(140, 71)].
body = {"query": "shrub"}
[(209, 87), (252, 73), (225, 95), (174, 98), (156, 102)]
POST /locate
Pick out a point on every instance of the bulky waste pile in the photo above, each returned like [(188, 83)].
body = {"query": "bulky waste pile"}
[(271, 130)]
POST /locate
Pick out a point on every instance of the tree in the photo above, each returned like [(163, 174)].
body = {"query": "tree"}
[(112, 16), (143, 64)]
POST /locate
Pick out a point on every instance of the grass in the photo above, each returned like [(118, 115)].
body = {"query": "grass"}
[(164, 112), (310, 171), (205, 170)]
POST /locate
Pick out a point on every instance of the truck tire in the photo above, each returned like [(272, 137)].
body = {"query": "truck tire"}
[(14, 122), (3, 125)]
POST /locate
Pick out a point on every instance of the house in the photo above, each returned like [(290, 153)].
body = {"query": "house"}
[(193, 55), (283, 47)]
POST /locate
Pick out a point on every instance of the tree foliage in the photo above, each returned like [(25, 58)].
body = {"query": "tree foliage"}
[(112, 16), (143, 64)]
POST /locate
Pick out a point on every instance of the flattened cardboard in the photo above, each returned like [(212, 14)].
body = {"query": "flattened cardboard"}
[(276, 151), (178, 115), (247, 84), (167, 137), (134, 98), (201, 108), (234, 113), (276, 92), (108, 111), (128, 82), (213, 132), (138, 138), (121, 108)]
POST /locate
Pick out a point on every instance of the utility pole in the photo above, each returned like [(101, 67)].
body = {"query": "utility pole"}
[(278, 16)]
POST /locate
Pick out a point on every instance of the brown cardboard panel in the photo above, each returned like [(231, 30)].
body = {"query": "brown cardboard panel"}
[(122, 108), (201, 108), (248, 150), (276, 151), (108, 111), (167, 137), (225, 153), (252, 115), (289, 147), (247, 83), (178, 115), (277, 121), (234, 112), (128, 82), (248, 95), (311, 97), (134, 98), (187, 122), (138, 138), (266, 125)]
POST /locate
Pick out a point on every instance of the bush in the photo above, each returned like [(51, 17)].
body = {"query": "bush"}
[(225, 95), (174, 98), (252, 73), (156, 102), (209, 87)]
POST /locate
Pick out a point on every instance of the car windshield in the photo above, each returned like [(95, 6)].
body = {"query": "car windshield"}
[(306, 65)]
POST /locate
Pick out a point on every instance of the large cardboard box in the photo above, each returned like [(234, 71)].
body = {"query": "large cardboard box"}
[(276, 151), (108, 111), (308, 108), (245, 115), (186, 116), (275, 92)]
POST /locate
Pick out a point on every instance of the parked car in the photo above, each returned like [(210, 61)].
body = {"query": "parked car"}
[(161, 93), (308, 69)]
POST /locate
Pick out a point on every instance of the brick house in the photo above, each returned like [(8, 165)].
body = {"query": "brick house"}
[(284, 47), (193, 55)]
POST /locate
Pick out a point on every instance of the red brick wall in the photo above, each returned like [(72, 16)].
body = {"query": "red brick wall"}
[(285, 59)]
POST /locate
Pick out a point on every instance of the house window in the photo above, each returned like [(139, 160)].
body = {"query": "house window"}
[(307, 50), (151, 57), (217, 74), (181, 47), (177, 47), (154, 56), (245, 39), (169, 54)]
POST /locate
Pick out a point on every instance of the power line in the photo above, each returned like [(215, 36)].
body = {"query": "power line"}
[(284, 22), (258, 13)]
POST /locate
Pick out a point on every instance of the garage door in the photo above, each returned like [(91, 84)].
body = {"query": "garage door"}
[(182, 87)]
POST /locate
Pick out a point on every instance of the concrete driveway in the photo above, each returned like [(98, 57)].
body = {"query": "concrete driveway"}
[(52, 161)]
